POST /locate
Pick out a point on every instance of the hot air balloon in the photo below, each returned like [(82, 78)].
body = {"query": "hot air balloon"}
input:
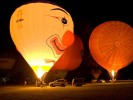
[(110, 44), (70, 60), (72, 56), (41, 32), (7, 61), (95, 70)]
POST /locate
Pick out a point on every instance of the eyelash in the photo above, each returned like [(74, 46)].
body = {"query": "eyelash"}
[(63, 19)]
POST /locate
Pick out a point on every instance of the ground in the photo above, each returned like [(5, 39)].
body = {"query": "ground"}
[(89, 91)]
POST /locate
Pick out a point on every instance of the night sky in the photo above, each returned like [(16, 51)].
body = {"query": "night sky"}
[(86, 16)]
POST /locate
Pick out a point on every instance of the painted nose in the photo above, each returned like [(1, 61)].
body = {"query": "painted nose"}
[(68, 38)]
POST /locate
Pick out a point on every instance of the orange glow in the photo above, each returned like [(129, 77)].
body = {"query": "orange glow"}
[(111, 46), (68, 38), (72, 56), (37, 30), (42, 69), (112, 74)]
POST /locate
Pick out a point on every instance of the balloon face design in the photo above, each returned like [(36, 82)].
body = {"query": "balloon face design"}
[(41, 32), (72, 57)]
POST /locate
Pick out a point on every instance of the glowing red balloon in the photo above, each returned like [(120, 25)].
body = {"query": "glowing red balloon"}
[(72, 57)]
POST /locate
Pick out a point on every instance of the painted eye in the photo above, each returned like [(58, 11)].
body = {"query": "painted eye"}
[(64, 21)]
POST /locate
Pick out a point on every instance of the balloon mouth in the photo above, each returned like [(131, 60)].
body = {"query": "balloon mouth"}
[(54, 42), (40, 72), (41, 68), (113, 74)]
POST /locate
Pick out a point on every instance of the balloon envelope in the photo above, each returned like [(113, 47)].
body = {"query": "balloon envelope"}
[(41, 32), (72, 56), (110, 44), (6, 63), (70, 60), (7, 60)]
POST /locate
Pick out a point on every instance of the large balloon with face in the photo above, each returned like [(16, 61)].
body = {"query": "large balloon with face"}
[(70, 60), (111, 46), (41, 32)]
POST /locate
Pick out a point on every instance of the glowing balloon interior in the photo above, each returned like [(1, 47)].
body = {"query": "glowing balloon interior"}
[(113, 75), (41, 32), (111, 45)]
